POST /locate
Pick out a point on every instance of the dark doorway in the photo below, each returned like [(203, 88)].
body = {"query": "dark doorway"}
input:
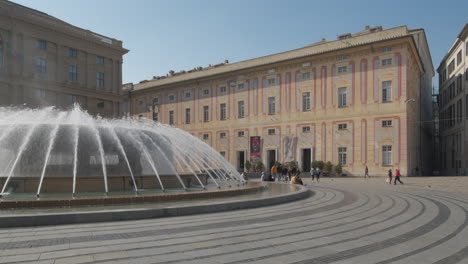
[(306, 159), (241, 160), (271, 158)]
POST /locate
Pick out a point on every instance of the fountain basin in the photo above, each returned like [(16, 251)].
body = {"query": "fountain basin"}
[(268, 194)]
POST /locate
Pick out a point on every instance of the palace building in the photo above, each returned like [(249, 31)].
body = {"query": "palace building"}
[(362, 99), (453, 107), (45, 61)]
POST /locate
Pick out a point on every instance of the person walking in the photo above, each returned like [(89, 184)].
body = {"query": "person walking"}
[(284, 173), (312, 173), (390, 176), (317, 174), (366, 173), (397, 177), (273, 172)]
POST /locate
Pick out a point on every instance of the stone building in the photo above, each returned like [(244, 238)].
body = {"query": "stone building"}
[(359, 100), (453, 107), (45, 61)]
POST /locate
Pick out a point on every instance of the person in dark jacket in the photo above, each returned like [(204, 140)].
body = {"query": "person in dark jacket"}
[(390, 176)]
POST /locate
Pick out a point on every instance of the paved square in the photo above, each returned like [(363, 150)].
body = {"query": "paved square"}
[(345, 221)]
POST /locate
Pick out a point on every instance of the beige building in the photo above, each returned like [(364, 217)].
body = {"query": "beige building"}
[(453, 107), (356, 101), (45, 61)]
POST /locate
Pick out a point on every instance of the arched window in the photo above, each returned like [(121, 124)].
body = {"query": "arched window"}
[(1, 51)]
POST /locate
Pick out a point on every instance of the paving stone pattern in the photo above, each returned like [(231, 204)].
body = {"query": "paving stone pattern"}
[(344, 221)]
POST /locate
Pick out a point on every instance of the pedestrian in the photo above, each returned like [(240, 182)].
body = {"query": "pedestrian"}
[(366, 173), (263, 176), (278, 171), (317, 174), (273, 172), (397, 177), (389, 176), (312, 173), (284, 173)]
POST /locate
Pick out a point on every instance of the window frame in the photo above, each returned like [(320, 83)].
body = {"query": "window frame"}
[(241, 133), (41, 44), (271, 131), (41, 66), (387, 155), (100, 79), (387, 95), (342, 97), (342, 156), (387, 123), (271, 105), (306, 129), (306, 102), (171, 117), (206, 113), (222, 111), (100, 60), (387, 62), (188, 115), (72, 73), (342, 126), (222, 135), (342, 69), (240, 109), (72, 53)]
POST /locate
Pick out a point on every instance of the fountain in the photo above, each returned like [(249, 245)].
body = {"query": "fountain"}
[(51, 153)]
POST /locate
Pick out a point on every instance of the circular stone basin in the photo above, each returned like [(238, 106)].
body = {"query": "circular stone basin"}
[(255, 194)]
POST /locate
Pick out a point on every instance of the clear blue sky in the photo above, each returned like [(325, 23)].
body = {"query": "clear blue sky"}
[(180, 35)]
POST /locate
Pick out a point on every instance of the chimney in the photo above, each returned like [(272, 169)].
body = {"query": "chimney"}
[(226, 61), (367, 27)]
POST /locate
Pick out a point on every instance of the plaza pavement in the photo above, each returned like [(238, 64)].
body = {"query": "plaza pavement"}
[(346, 220)]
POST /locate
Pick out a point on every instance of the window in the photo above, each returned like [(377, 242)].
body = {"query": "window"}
[(386, 155), (342, 69), (459, 84), (342, 126), (99, 60), (41, 93), (305, 101), (156, 101), (306, 76), (271, 81), (342, 57), (271, 131), (459, 111), (386, 62), (342, 156), (466, 106), (206, 136), (223, 153), (171, 118), (222, 111), (74, 99), (222, 135), (386, 123), (240, 86), (188, 95), (72, 74), (41, 44), (206, 113), (342, 97), (240, 109), (451, 67), (305, 129), (187, 116), (156, 116), (271, 105), (387, 91), (206, 92), (171, 98), (100, 79), (41, 66), (72, 53), (100, 105), (222, 89), (386, 49), (459, 57), (240, 134)]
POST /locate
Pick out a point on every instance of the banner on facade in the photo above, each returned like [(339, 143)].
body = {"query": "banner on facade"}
[(255, 152), (289, 148)]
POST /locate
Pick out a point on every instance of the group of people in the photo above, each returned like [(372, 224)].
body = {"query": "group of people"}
[(282, 173), (397, 176), (315, 174)]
